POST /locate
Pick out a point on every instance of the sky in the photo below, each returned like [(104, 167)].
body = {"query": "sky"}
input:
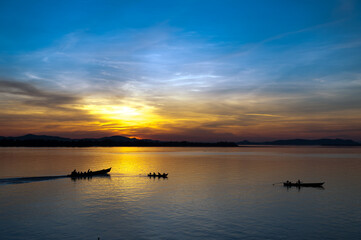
[(181, 70)]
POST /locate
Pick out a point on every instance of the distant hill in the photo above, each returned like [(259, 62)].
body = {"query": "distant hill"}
[(31, 140), (306, 142), (118, 139), (31, 137)]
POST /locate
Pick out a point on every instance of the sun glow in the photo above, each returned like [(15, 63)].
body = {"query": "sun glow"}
[(118, 112), (123, 117)]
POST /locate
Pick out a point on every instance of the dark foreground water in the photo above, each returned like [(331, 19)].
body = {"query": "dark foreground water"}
[(211, 193)]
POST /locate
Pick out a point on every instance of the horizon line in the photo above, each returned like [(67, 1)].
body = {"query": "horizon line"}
[(244, 140)]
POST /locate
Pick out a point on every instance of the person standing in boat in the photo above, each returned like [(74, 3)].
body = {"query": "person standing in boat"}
[(298, 181)]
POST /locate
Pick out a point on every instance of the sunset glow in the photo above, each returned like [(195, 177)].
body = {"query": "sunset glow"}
[(125, 115), (258, 71)]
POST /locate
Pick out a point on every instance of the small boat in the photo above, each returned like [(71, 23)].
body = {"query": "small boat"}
[(164, 175), (89, 173), (301, 184)]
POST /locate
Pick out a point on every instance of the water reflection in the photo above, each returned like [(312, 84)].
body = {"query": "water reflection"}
[(29, 179), (20, 180), (301, 187), (210, 194), (157, 177), (79, 178)]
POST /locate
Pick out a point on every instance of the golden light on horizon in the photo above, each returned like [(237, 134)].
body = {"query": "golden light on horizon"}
[(118, 112), (124, 117)]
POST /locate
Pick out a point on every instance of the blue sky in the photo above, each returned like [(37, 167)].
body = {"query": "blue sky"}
[(194, 70)]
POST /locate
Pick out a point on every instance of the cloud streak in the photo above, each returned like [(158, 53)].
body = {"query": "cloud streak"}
[(31, 95)]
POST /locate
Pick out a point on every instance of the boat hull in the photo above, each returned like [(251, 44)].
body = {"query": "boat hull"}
[(159, 176), (303, 184), (91, 174)]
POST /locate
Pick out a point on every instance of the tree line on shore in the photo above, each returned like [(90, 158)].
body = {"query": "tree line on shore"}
[(31, 140)]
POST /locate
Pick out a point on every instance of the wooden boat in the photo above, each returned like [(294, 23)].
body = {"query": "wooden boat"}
[(165, 175), (301, 184), (90, 173)]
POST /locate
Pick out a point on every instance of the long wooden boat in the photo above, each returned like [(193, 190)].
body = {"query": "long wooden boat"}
[(165, 175), (296, 184), (90, 173)]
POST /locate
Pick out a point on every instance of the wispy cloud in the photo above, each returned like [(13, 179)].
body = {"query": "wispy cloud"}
[(193, 83), (31, 95)]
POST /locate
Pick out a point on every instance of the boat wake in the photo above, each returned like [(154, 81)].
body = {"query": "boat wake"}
[(4, 181)]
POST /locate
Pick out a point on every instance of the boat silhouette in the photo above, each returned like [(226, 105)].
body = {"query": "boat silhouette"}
[(89, 173), (164, 175)]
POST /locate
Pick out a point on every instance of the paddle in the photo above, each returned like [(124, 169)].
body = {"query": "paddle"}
[(277, 183)]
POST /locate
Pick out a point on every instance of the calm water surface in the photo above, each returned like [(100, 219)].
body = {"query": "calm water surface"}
[(211, 193)]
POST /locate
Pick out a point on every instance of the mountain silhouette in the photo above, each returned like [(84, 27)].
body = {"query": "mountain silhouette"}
[(306, 142), (31, 140)]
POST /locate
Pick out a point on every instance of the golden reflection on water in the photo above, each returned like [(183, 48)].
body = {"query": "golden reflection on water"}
[(209, 163), (207, 189)]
